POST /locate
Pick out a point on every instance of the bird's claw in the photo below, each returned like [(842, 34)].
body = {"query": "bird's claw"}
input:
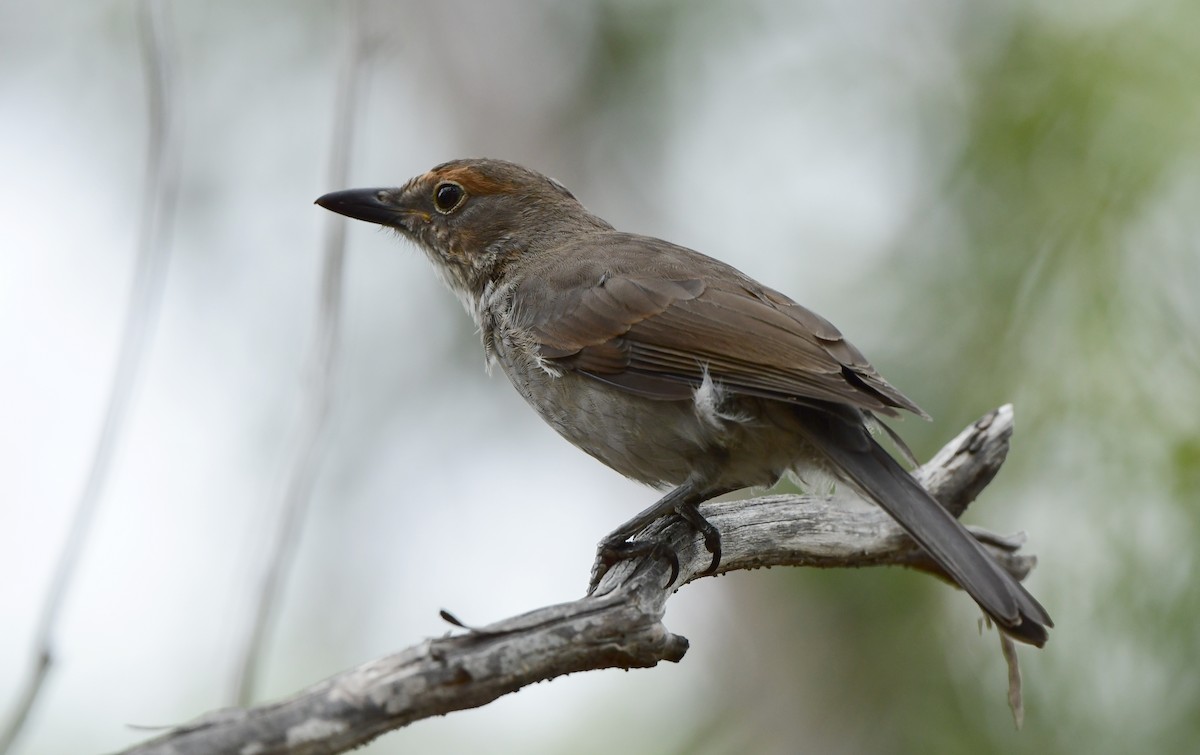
[(615, 550), (712, 536), (610, 553)]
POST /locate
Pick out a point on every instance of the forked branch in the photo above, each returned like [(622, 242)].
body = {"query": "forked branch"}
[(618, 627)]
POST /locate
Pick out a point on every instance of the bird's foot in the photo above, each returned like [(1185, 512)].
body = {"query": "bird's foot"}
[(690, 513), (612, 552), (616, 548)]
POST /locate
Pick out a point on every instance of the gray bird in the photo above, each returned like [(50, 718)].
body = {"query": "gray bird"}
[(671, 367)]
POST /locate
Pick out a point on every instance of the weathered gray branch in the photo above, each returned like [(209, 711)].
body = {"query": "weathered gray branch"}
[(620, 626)]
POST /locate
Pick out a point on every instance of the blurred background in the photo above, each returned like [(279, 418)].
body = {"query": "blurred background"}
[(996, 202)]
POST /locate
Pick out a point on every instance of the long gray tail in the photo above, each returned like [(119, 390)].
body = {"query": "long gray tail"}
[(845, 441)]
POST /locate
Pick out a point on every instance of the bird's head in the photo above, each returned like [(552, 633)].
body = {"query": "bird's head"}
[(472, 217)]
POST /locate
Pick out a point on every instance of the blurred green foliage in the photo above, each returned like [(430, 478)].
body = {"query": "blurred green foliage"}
[(1077, 131)]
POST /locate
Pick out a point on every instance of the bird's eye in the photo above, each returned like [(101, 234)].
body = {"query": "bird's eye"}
[(448, 196)]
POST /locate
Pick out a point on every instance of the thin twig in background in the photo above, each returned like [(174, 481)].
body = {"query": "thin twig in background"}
[(302, 473), (159, 195)]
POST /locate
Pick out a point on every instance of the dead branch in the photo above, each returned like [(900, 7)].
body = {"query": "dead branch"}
[(618, 627)]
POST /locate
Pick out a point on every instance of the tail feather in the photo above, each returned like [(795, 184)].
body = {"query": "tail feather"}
[(854, 453)]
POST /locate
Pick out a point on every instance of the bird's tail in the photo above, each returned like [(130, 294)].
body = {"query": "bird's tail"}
[(854, 453)]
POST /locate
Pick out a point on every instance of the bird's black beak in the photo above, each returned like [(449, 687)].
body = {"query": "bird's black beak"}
[(371, 205)]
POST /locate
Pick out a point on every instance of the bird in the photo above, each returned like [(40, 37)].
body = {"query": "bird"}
[(671, 367)]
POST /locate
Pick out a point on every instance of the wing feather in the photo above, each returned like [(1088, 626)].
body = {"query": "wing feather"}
[(640, 322)]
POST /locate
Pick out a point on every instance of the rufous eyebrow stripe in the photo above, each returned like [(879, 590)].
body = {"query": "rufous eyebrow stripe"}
[(473, 181)]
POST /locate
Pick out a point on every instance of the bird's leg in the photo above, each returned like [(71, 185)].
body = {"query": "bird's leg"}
[(683, 501)]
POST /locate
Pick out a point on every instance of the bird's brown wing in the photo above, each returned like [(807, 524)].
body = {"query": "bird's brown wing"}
[(652, 329), (658, 323)]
